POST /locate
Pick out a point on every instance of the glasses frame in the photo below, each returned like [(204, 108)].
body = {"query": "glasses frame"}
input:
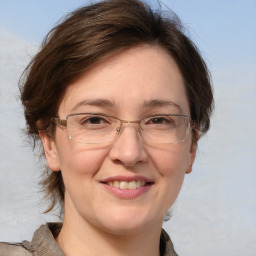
[(63, 123)]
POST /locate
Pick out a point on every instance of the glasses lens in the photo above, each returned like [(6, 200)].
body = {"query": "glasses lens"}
[(96, 129), (165, 129), (92, 129)]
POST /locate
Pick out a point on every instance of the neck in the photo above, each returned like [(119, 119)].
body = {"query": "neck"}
[(92, 241)]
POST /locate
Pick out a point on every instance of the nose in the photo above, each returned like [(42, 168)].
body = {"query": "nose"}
[(129, 147)]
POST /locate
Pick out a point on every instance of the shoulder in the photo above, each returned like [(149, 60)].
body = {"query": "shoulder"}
[(166, 245), (13, 249), (43, 243)]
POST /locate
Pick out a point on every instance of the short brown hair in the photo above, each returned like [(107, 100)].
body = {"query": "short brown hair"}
[(87, 36)]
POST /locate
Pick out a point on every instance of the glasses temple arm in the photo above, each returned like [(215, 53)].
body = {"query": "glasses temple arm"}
[(62, 122)]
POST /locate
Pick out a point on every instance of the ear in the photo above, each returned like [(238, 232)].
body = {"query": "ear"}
[(50, 151), (192, 156)]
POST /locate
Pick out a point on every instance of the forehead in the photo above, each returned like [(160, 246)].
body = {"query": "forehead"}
[(129, 80)]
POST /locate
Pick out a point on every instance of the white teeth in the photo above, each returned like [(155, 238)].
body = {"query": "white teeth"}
[(124, 185), (138, 184), (116, 184), (127, 185), (132, 185)]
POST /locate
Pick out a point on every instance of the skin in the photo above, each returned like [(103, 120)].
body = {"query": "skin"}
[(94, 216)]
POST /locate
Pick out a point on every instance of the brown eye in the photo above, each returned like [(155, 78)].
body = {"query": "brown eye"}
[(160, 121), (94, 122)]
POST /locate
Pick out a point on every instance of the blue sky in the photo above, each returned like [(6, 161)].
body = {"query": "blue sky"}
[(225, 31), (217, 26)]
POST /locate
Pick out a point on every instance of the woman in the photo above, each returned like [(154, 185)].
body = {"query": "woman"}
[(119, 97)]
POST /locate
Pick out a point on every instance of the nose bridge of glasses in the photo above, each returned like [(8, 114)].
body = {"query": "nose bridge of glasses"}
[(135, 124)]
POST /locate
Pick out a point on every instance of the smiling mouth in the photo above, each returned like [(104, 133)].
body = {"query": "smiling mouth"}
[(128, 185)]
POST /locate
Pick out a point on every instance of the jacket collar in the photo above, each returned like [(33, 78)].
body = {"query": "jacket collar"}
[(44, 243)]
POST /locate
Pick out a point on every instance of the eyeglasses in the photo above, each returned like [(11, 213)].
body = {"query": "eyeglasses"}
[(93, 128)]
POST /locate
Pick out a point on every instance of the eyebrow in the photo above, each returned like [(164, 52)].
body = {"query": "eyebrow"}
[(94, 102), (161, 103), (101, 102)]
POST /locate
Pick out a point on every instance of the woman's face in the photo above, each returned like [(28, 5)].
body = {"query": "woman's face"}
[(129, 85)]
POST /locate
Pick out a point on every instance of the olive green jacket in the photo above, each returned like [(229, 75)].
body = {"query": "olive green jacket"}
[(43, 244)]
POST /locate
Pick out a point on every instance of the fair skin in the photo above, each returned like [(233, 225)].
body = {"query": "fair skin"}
[(131, 81)]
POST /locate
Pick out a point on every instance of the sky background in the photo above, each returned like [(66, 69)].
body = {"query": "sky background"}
[(215, 212)]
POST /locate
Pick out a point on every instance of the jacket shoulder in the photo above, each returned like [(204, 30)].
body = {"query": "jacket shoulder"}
[(13, 249)]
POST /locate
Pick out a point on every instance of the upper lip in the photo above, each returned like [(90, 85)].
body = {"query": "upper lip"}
[(126, 178)]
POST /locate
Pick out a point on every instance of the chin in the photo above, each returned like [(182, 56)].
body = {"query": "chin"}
[(122, 230), (129, 222)]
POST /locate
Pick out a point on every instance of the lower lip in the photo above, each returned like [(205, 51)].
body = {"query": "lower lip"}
[(127, 193)]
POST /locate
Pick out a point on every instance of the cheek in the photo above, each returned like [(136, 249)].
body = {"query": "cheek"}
[(171, 160), (78, 159), (82, 162), (171, 164), (79, 167)]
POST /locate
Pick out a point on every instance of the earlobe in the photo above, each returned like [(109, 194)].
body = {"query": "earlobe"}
[(192, 157), (189, 169), (50, 151)]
